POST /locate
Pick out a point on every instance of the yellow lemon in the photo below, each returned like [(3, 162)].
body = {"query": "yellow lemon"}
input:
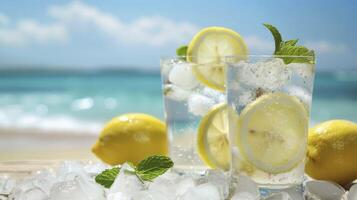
[(212, 140), (208, 48), (272, 131), (332, 151), (131, 137)]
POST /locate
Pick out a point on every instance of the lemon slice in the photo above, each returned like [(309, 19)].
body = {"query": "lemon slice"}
[(207, 49), (212, 141), (272, 132)]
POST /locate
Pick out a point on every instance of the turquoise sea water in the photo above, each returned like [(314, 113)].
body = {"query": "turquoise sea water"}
[(96, 97)]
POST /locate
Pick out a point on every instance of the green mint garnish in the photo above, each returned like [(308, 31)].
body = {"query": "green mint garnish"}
[(153, 166), (107, 177), (289, 48), (292, 50), (182, 51), (277, 37), (147, 170)]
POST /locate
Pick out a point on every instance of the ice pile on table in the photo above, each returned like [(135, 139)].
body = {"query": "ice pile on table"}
[(76, 181)]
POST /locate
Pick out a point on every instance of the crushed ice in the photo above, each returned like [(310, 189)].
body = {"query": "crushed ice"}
[(75, 181), (268, 75)]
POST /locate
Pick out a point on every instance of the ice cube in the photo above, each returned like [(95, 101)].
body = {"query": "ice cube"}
[(30, 194), (95, 168), (170, 176), (205, 191), (126, 182), (163, 185), (245, 196), (279, 196), (152, 195), (221, 180), (119, 196), (80, 188), (184, 185), (28, 190), (199, 104), (215, 95), (44, 180), (69, 169), (246, 185), (176, 93), (295, 192), (181, 75), (352, 194), (6, 184), (318, 189), (36, 186)]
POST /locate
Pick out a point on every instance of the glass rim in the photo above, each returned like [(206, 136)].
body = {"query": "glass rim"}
[(238, 56)]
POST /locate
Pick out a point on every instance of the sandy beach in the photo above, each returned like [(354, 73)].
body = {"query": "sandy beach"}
[(31, 144)]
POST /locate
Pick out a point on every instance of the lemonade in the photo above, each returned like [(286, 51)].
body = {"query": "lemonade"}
[(244, 115), (269, 105), (195, 99), (187, 103)]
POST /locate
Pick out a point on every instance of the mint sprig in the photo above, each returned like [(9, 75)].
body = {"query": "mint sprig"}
[(147, 170), (153, 167), (299, 51), (299, 54), (107, 177)]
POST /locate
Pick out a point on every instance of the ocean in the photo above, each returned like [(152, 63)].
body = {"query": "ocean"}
[(81, 100)]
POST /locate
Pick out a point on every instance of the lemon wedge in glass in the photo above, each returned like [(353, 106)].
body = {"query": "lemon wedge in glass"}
[(212, 140), (272, 131), (208, 48)]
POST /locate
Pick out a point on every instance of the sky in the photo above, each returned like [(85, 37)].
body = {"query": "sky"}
[(135, 34)]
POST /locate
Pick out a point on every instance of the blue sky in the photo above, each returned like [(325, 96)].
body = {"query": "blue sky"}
[(136, 33)]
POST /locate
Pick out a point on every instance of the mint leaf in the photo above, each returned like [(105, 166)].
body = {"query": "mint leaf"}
[(299, 54), (147, 170), (297, 51), (277, 37), (182, 51), (107, 177), (289, 42), (153, 166)]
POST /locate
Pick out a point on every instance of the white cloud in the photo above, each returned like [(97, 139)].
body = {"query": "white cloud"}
[(258, 44), (29, 31), (153, 30), (325, 47)]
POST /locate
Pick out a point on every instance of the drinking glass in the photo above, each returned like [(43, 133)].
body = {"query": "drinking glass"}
[(269, 102), (194, 104)]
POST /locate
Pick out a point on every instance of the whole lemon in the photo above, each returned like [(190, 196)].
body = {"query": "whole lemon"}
[(131, 137), (332, 151)]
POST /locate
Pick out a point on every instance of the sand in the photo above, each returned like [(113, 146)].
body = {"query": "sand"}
[(30, 144)]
